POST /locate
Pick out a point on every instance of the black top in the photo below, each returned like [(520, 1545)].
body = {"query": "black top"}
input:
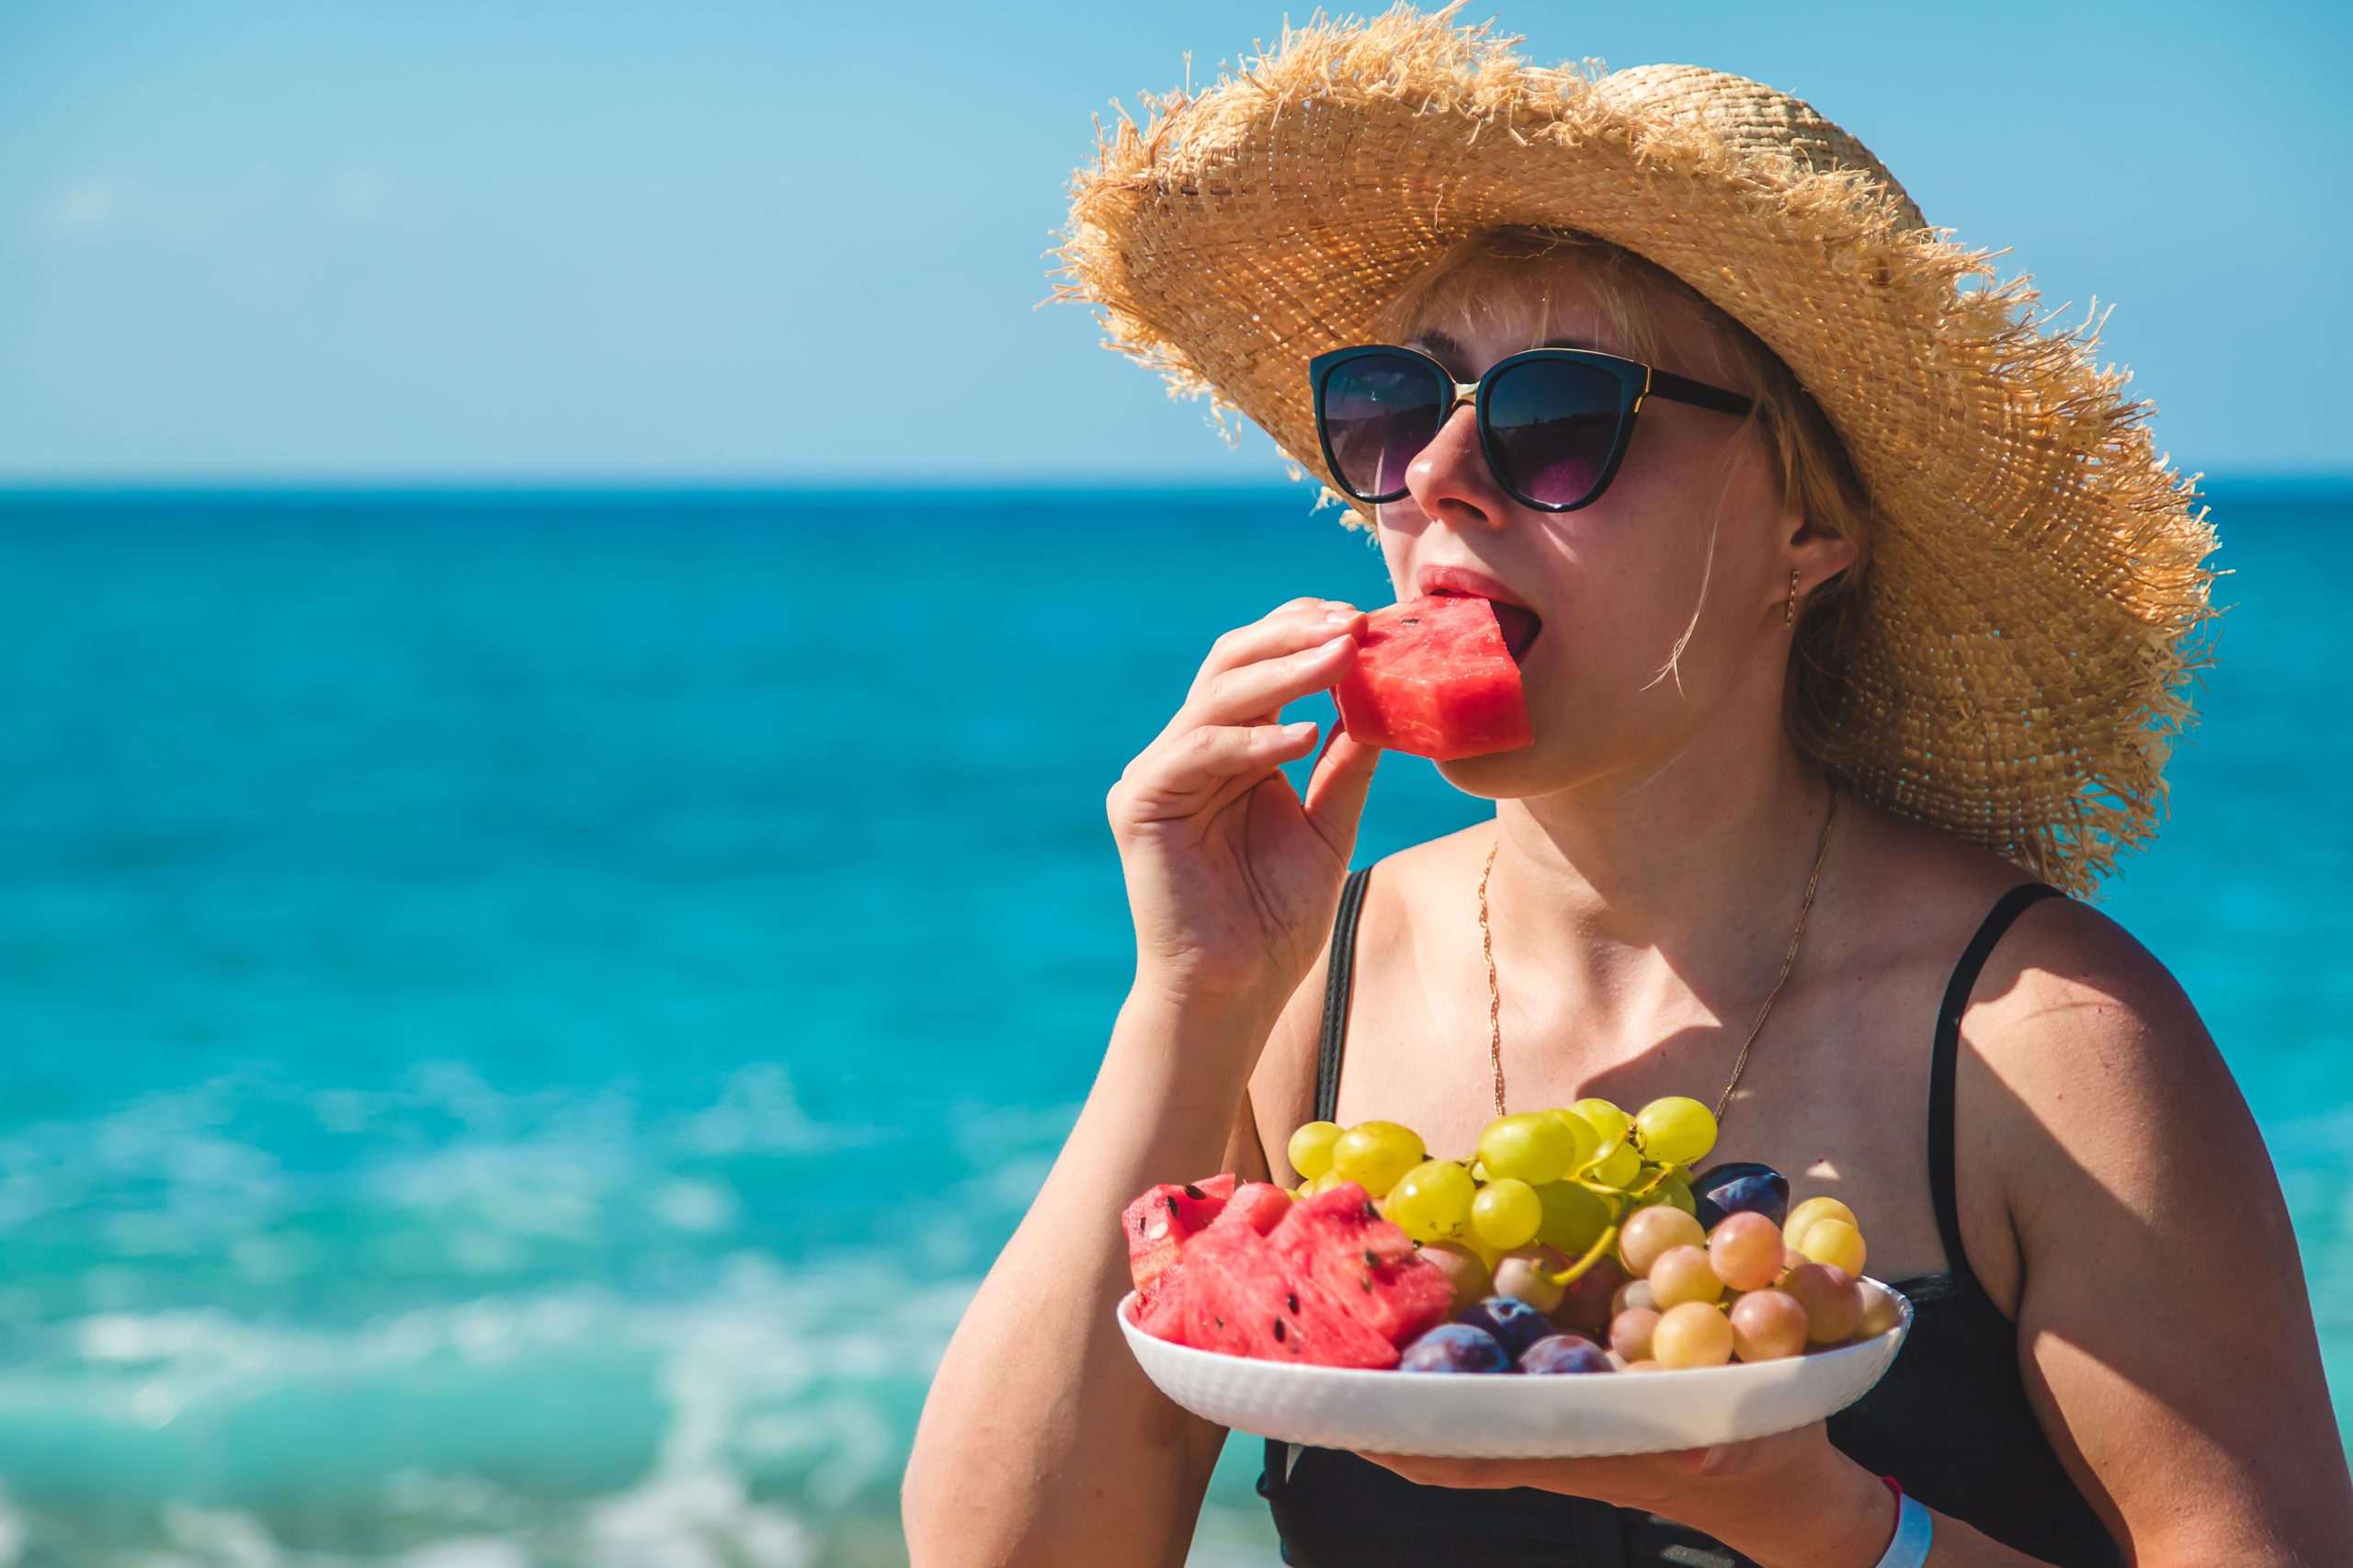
[(1949, 1420)]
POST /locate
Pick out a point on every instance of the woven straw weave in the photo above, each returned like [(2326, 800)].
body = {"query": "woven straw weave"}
[(2037, 591)]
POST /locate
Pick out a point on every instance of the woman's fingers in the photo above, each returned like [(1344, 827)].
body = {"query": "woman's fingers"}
[(1287, 629), (1336, 789), (1204, 757), (1255, 692)]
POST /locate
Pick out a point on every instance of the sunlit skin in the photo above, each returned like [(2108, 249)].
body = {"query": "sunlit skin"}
[(2115, 1198)]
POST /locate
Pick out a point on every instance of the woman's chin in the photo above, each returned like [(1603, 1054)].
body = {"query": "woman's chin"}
[(1505, 775), (1562, 758)]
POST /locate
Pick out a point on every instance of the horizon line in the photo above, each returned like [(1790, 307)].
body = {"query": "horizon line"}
[(94, 485)]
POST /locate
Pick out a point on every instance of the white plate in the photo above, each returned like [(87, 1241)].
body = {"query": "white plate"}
[(1503, 1416)]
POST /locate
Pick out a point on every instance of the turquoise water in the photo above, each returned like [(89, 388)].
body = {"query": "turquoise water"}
[(525, 1014)]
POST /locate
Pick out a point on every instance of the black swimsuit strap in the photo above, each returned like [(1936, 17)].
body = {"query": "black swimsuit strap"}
[(1945, 1064), (1338, 980)]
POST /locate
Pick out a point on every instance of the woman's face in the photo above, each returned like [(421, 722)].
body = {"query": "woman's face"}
[(1693, 526)]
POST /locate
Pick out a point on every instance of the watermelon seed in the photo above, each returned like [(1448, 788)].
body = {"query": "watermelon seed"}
[(1195, 1193), (1290, 1300), (1278, 1331), (1371, 1258), (1410, 620)]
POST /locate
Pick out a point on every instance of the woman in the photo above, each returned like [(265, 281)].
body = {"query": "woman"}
[(1866, 623)]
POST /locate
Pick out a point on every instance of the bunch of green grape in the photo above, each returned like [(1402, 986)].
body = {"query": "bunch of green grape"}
[(1564, 1178), (1588, 1214)]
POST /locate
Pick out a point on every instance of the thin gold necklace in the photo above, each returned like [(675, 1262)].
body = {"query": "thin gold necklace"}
[(1789, 961)]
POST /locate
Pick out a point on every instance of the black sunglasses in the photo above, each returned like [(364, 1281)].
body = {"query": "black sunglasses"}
[(1553, 422)]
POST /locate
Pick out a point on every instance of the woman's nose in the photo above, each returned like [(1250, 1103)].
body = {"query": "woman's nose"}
[(1449, 479)]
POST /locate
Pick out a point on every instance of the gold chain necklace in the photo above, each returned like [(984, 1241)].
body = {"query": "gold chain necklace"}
[(1789, 961)]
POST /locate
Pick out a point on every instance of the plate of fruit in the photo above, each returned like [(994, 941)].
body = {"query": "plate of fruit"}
[(1573, 1288)]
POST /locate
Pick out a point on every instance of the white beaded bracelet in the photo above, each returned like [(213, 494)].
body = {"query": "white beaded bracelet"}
[(1915, 1531)]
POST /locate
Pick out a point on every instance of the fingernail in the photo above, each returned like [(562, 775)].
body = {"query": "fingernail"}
[(1338, 613), (1333, 642), (1300, 728)]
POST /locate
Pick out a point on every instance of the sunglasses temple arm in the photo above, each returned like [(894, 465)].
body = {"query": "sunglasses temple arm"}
[(1680, 389)]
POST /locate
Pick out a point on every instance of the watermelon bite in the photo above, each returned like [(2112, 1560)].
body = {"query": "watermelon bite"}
[(1435, 677), (1165, 1217)]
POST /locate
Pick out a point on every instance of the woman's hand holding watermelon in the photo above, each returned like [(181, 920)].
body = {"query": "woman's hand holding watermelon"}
[(1043, 1442), (1232, 877)]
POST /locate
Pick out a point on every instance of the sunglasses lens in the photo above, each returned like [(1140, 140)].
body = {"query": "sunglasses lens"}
[(1379, 411), (1553, 423)]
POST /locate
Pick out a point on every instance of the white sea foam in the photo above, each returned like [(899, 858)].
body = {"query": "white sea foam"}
[(730, 1409), (778, 1407)]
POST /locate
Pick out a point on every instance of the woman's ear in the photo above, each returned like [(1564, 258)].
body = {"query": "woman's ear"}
[(1817, 554)]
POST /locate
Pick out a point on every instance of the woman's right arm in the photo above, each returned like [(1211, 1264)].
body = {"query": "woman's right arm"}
[(1041, 1441)]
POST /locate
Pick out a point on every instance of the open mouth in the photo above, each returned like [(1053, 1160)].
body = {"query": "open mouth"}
[(1518, 624)]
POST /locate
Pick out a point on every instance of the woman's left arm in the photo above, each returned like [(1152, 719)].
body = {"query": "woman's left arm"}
[(2118, 1202), (2127, 1216)]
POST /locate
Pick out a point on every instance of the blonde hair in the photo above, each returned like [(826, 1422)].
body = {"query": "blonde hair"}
[(1460, 287)]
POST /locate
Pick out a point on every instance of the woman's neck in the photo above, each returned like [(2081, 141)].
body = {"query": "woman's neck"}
[(1702, 866)]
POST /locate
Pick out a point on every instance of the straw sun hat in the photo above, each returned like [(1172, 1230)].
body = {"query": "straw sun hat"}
[(2036, 589)]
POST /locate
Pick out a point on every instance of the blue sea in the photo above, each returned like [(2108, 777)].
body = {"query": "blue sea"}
[(525, 1014)]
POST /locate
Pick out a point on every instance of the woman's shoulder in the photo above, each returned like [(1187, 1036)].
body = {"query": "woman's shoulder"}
[(2063, 977), (1911, 884), (2077, 1020), (2081, 1052)]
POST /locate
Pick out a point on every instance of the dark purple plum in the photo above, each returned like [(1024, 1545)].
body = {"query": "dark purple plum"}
[(1455, 1347), (1515, 1325), (1740, 1187), (1564, 1353)]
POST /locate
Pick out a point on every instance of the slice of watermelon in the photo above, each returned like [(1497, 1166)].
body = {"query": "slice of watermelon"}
[(1243, 1298), (1434, 678), (1255, 1206), (1160, 1306), (1165, 1217), (1261, 1205), (1338, 1240)]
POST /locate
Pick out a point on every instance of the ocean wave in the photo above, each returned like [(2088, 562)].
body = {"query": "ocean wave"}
[(763, 1422)]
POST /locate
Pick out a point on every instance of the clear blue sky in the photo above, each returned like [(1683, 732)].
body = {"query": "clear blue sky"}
[(455, 239)]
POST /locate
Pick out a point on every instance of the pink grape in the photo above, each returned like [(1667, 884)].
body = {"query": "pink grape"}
[(1747, 1252), (1766, 1324), (1522, 1271), (1650, 1232), (1691, 1335), (1682, 1274), (1631, 1294), (1832, 1298), (1630, 1331), (1464, 1269)]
